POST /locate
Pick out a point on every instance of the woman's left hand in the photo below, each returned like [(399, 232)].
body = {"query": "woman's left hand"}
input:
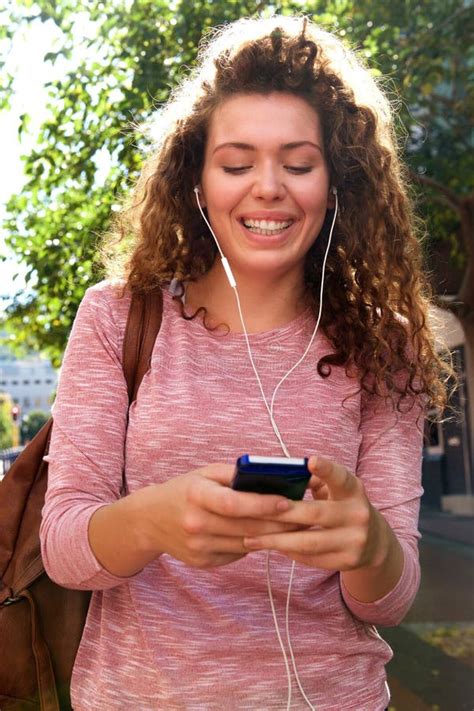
[(345, 532)]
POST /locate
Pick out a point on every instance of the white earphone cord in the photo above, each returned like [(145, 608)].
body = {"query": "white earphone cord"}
[(233, 284)]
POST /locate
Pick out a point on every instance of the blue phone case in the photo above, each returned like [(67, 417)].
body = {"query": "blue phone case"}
[(272, 475)]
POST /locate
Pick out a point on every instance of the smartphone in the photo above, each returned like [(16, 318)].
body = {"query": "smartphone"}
[(272, 475)]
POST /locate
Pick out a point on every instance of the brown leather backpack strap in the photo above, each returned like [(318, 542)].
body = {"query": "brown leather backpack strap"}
[(44, 668), (143, 324)]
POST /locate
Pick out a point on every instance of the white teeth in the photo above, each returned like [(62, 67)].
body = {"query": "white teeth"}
[(268, 224), (267, 227)]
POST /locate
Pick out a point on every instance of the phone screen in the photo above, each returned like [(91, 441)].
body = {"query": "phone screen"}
[(272, 475)]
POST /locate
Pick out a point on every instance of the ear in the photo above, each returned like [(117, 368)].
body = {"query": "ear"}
[(199, 195), (332, 198)]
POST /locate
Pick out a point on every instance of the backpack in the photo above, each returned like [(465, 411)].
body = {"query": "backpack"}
[(41, 623)]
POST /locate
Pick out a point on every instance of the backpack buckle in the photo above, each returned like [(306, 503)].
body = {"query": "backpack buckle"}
[(11, 600)]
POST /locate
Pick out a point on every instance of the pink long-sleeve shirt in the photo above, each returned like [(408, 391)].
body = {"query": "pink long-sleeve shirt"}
[(174, 637)]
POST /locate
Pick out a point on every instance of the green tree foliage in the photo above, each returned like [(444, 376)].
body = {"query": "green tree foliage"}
[(135, 54), (87, 157), (6, 423), (31, 424), (425, 48)]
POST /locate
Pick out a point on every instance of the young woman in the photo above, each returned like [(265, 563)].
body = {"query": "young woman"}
[(280, 149)]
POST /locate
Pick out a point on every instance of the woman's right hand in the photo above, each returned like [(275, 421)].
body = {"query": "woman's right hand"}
[(198, 519)]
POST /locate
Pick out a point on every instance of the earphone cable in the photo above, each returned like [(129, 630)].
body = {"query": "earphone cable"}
[(288, 639), (233, 284), (277, 630), (234, 287), (288, 597), (320, 311)]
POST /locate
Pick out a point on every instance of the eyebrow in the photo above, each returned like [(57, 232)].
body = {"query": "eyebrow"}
[(284, 146)]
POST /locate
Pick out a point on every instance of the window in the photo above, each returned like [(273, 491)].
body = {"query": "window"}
[(434, 440)]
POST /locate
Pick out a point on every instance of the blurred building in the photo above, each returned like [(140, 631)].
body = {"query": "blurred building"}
[(30, 381), (447, 474)]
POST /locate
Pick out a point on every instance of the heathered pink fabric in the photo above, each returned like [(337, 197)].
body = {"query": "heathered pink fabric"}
[(173, 637)]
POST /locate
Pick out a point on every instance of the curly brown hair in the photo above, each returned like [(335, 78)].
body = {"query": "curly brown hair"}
[(376, 298)]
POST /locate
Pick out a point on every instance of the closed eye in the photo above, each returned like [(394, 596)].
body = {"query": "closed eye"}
[(235, 170), (298, 170)]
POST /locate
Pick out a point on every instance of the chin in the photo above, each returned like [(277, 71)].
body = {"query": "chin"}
[(265, 266)]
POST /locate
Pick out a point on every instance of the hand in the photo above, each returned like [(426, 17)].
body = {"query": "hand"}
[(342, 530), (198, 519)]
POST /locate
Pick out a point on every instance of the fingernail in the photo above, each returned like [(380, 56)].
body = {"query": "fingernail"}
[(283, 505)]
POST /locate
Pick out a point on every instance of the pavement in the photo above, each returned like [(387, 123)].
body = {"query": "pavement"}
[(433, 664)]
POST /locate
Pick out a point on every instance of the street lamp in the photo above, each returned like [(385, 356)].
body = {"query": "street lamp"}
[(15, 412)]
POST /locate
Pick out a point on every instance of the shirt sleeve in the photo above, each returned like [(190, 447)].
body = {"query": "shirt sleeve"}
[(86, 456), (389, 465)]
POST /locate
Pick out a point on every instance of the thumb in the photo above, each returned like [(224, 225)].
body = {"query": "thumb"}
[(318, 488), (339, 482)]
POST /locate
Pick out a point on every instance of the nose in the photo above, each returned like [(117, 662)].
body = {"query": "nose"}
[(268, 184)]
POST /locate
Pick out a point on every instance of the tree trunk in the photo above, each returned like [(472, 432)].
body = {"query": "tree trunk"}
[(464, 310), (463, 304)]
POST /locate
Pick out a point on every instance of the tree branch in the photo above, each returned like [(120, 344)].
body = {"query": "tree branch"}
[(435, 31), (449, 195)]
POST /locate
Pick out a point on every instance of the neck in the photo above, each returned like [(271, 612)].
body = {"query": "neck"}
[(267, 302)]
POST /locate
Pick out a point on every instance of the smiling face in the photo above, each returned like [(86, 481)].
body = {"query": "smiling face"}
[(265, 182)]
